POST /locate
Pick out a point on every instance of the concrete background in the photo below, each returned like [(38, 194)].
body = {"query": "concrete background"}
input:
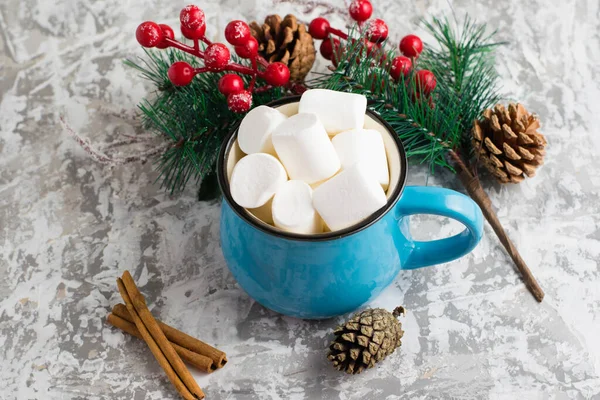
[(70, 226)]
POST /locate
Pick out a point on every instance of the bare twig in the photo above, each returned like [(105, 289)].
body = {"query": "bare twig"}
[(123, 113), (112, 160), (478, 194), (131, 139)]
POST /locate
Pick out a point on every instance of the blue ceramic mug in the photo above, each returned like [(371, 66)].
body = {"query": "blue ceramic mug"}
[(325, 275)]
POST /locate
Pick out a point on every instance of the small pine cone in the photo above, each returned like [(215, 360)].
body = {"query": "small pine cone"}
[(286, 41), (367, 338), (507, 143)]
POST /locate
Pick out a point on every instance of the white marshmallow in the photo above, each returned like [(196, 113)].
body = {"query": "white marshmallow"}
[(263, 212), (254, 134), (293, 210), (363, 145), (304, 148), (338, 111), (255, 179), (349, 197)]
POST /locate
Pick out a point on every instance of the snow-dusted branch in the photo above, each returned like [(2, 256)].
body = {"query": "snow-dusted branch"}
[(113, 160)]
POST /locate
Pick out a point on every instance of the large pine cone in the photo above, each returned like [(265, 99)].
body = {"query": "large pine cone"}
[(286, 41), (508, 144), (367, 338)]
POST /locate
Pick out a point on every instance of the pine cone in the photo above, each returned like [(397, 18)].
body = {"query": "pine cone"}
[(286, 41), (367, 338), (508, 144)]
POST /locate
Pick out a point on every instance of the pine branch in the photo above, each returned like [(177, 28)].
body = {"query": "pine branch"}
[(194, 119), (464, 64), (466, 84)]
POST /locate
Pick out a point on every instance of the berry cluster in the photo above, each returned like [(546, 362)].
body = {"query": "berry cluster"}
[(375, 31), (216, 56)]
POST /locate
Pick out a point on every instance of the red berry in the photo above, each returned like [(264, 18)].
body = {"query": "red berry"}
[(249, 49), (181, 73), (372, 48), (425, 81), (361, 10), (237, 32), (319, 28), (216, 56), (411, 46), (377, 30), (239, 102), (149, 34), (167, 33), (400, 66), (230, 83), (277, 74), (327, 47), (193, 34), (192, 17)]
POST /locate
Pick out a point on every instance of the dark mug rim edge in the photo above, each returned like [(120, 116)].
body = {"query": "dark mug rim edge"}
[(226, 146)]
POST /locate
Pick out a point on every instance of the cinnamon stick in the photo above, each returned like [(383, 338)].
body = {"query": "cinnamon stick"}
[(199, 361), (138, 304), (154, 348), (191, 343), (475, 190)]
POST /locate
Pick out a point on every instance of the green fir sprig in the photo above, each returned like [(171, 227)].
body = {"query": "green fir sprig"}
[(462, 62), (194, 118)]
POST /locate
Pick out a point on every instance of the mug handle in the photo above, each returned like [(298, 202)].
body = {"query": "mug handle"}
[(446, 203)]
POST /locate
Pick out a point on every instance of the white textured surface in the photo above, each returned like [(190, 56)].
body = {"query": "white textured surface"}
[(70, 226)]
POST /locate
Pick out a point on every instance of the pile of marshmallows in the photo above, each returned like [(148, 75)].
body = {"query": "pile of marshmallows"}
[(337, 170)]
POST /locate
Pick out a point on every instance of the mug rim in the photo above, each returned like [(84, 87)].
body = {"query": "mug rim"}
[(223, 157)]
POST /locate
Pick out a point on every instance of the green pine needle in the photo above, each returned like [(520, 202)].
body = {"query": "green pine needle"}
[(195, 118), (462, 61)]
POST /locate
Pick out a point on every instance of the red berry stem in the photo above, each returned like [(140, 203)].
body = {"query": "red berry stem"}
[(199, 53), (337, 32), (241, 69), (253, 81), (262, 61), (184, 47), (217, 57), (262, 89)]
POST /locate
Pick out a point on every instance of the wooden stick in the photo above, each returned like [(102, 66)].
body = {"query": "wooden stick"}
[(199, 361), (139, 304), (197, 346), (475, 190), (158, 354)]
